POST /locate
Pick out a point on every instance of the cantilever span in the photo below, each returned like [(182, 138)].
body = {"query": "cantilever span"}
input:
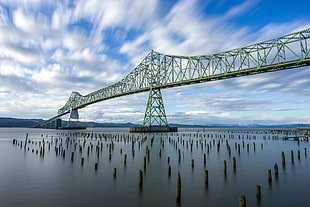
[(157, 71)]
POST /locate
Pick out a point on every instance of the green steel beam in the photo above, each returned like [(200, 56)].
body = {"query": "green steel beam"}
[(159, 71), (155, 114)]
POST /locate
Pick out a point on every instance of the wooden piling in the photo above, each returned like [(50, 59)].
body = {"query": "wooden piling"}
[(283, 158), (148, 154), (72, 156), (242, 201), (225, 167), (276, 170), (206, 175), (140, 178), (269, 175), (258, 191), (96, 166), (292, 156), (125, 159), (26, 141), (169, 170), (178, 188), (234, 163), (204, 159), (114, 172), (82, 161), (193, 163)]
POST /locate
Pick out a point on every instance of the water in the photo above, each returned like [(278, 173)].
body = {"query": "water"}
[(28, 179)]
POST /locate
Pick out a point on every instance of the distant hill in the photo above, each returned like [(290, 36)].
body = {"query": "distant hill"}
[(15, 122)]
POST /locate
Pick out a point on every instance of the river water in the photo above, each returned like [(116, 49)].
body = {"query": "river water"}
[(29, 178)]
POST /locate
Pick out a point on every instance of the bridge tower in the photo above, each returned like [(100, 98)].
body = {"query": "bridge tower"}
[(155, 114), (73, 121), (155, 119)]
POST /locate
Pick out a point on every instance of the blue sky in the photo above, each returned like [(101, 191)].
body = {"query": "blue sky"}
[(52, 47)]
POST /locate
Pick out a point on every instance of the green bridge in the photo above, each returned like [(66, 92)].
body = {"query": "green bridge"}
[(158, 71)]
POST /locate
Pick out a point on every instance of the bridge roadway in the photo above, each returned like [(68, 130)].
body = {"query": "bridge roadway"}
[(159, 71)]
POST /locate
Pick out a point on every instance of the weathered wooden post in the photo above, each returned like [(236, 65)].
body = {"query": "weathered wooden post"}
[(276, 171), (204, 159), (283, 158), (258, 191), (206, 175), (178, 188), (169, 170), (234, 163), (114, 172), (125, 159), (292, 156), (140, 178), (269, 175), (242, 201), (26, 141)]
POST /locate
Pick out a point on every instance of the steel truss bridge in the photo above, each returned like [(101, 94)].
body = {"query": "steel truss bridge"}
[(158, 71)]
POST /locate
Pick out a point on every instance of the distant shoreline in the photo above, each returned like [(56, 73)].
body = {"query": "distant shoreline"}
[(29, 123)]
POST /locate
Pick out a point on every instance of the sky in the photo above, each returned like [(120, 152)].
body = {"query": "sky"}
[(49, 48)]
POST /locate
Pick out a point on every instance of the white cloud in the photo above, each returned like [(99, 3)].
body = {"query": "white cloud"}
[(185, 31), (241, 8)]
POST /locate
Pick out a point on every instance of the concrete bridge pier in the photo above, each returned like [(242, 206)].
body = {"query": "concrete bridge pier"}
[(73, 121), (58, 123)]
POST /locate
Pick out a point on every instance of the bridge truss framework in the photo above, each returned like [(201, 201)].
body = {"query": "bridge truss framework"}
[(158, 71)]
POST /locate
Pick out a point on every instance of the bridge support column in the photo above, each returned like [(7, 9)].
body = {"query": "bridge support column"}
[(73, 118), (155, 114), (73, 122), (155, 119), (58, 123)]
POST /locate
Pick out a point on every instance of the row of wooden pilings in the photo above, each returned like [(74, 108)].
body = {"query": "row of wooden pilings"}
[(61, 146), (242, 198)]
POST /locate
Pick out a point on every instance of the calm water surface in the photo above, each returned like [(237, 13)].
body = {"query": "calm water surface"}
[(28, 179)]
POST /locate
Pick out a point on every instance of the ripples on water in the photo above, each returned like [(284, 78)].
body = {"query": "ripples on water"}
[(29, 179)]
